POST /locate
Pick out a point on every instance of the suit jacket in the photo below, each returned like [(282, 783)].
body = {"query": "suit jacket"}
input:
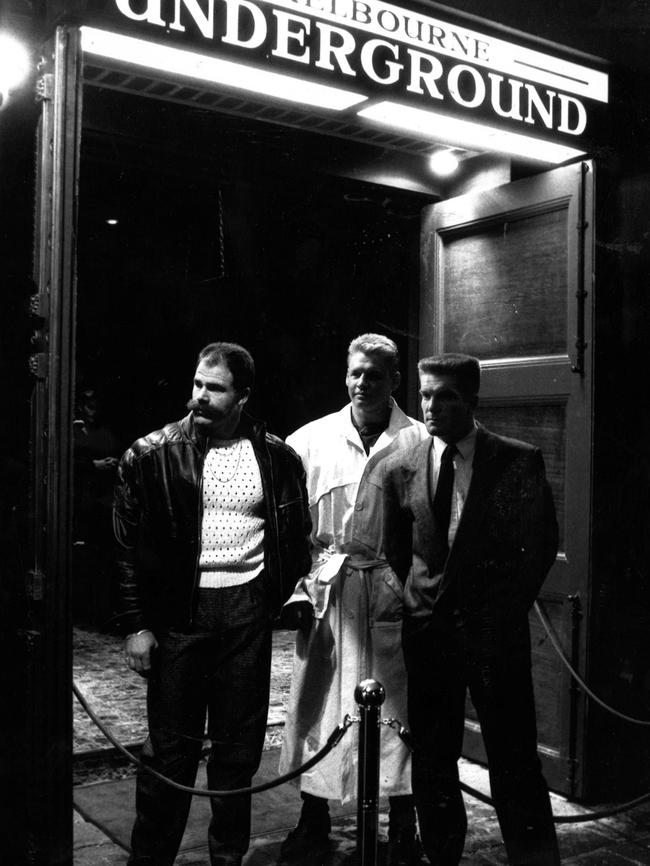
[(505, 543)]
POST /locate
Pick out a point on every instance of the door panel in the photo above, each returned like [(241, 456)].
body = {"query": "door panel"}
[(543, 423), (507, 278), (512, 303)]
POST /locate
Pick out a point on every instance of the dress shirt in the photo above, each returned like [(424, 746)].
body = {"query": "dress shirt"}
[(463, 459)]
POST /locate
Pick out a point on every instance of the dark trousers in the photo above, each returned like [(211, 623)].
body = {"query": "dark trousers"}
[(443, 660), (221, 668)]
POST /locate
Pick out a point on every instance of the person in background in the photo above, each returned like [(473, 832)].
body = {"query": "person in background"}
[(212, 524), (471, 531), (96, 454), (348, 610)]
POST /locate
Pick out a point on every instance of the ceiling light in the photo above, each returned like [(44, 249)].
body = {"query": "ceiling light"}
[(213, 69), (14, 63), (443, 162), (465, 133)]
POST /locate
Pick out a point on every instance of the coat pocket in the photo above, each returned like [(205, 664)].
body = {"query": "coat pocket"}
[(387, 598)]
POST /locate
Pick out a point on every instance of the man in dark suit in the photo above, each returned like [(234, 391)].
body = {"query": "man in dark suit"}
[(470, 529)]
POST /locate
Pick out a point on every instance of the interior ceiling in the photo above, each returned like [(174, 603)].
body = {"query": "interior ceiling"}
[(181, 115), (206, 144), (171, 90)]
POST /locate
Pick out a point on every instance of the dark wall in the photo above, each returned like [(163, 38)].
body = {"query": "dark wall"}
[(618, 751)]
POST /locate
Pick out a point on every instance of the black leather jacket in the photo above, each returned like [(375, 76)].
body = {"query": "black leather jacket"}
[(157, 520)]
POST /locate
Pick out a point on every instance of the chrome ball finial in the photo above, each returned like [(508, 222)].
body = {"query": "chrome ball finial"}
[(370, 693)]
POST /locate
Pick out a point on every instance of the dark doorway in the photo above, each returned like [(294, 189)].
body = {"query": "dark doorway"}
[(196, 226)]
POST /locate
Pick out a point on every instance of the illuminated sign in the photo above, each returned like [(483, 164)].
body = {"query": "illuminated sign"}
[(370, 51)]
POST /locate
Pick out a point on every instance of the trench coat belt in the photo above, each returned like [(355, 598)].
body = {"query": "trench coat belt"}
[(364, 564), (326, 568)]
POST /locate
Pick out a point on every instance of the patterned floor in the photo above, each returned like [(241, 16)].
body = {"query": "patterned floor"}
[(118, 698), (117, 695)]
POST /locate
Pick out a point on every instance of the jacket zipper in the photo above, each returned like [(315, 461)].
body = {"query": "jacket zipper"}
[(276, 528), (199, 524), (269, 497)]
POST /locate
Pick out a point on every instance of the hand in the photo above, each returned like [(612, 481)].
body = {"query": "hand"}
[(298, 615), (105, 463), (138, 649)]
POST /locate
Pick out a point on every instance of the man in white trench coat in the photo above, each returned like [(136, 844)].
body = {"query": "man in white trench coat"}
[(348, 609)]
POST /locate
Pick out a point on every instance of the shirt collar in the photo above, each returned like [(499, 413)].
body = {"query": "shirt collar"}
[(398, 419), (465, 446)]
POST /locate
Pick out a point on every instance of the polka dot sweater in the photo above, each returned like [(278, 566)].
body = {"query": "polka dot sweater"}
[(232, 532)]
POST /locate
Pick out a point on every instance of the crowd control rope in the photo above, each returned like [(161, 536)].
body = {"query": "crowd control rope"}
[(576, 676), (333, 740), (569, 819), (590, 816), (339, 732), (405, 736)]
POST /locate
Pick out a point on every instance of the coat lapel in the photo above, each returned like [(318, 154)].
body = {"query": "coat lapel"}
[(419, 484), (420, 497), (417, 477)]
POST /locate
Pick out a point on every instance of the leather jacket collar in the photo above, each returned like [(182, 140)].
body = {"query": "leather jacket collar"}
[(248, 427)]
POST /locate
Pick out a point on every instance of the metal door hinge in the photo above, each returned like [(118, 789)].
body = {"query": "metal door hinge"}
[(45, 87), (35, 585), (572, 766), (578, 365), (39, 305), (38, 365)]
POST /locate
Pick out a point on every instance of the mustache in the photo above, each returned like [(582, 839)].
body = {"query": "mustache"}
[(195, 406)]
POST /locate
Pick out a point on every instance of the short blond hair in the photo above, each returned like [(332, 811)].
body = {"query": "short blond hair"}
[(376, 344)]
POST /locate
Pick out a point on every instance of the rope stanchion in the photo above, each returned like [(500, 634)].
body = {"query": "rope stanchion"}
[(333, 740), (369, 695)]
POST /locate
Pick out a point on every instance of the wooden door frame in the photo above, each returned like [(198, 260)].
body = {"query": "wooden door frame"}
[(48, 678)]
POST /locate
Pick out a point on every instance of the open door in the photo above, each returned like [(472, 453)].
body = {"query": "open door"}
[(47, 698), (507, 277)]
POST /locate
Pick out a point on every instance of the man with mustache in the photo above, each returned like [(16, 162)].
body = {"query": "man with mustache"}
[(355, 601), (471, 531), (212, 523)]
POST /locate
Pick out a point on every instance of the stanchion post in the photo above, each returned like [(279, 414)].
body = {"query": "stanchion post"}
[(369, 695)]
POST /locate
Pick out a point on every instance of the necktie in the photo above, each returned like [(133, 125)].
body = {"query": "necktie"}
[(444, 488)]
